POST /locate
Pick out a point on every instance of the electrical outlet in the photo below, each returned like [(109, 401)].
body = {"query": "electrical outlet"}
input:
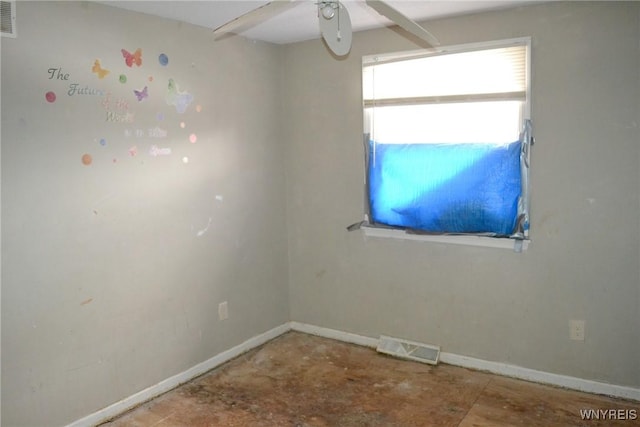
[(576, 330), (223, 310)]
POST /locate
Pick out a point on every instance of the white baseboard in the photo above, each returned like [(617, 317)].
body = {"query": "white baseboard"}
[(504, 369), (565, 381), (334, 334), (448, 358), (176, 380)]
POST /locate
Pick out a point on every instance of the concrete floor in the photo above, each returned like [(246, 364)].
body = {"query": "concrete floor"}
[(302, 380)]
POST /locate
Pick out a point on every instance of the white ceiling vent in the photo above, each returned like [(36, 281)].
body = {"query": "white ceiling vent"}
[(8, 12)]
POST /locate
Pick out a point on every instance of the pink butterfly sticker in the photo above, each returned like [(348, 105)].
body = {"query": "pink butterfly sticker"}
[(132, 58)]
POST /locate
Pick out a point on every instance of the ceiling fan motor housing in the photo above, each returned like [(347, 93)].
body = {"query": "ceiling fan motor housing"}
[(328, 9), (335, 26)]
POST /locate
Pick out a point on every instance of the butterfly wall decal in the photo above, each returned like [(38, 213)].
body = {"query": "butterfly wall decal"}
[(132, 58), (180, 100), (141, 94), (97, 68)]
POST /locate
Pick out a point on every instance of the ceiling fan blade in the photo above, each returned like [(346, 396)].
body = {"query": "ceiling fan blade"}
[(254, 17), (401, 20)]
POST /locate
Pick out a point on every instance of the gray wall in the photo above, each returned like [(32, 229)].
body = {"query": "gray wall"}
[(107, 286), (111, 279), (486, 303)]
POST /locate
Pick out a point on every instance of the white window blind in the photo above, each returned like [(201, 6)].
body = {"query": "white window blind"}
[(492, 72), (454, 96)]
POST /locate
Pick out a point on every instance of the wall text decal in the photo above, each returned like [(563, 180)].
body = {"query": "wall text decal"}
[(155, 132), (76, 89), (57, 74), (156, 151)]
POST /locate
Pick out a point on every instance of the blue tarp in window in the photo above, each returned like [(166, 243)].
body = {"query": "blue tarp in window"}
[(445, 188)]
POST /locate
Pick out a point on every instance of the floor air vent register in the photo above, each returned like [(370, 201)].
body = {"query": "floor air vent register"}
[(404, 349)]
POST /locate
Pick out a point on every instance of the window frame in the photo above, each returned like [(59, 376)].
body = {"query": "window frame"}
[(378, 231)]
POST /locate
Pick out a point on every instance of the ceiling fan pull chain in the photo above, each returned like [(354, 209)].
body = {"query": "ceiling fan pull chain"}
[(338, 35)]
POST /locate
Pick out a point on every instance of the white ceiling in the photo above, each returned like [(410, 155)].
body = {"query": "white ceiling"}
[(300, 22)]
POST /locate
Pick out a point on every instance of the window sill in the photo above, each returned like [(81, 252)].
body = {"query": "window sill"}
[(488, 242)]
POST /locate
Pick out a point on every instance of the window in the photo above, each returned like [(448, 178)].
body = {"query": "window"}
[(447, 135)]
